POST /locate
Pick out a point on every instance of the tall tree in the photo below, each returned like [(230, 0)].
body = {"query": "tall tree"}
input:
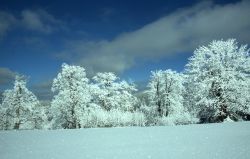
[(219, 75), (73, 96), (18, 105)]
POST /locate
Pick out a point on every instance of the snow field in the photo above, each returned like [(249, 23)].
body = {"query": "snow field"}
[(207, 141)]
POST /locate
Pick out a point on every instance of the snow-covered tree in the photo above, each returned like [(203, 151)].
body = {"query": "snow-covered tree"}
[(113, 94), (3, 122), (165, 95), (39, 117), (18, 106), (73, 96), (127, 100), (105, 90), (219, 80), (114, 101), (165, 89)]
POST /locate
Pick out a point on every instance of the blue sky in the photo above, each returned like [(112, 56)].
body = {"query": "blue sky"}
[(130, 38)]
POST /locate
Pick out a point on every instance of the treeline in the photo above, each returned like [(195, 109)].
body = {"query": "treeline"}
[(215, 87)]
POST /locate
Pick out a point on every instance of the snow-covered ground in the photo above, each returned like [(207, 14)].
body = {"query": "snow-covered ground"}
[(208, 141)]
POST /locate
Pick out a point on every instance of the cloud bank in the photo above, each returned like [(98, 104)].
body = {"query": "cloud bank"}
[(179, 32)]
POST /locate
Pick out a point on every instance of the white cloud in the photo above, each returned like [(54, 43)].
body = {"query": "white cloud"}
[(33, 20), (182, 31), (39, 20)]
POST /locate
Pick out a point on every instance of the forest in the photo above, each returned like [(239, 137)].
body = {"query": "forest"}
[(214, 87)]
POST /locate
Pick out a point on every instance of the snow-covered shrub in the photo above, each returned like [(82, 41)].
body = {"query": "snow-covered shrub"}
[(178, 119), (139, 119), (124, 118), (150, 114), (112, 118)]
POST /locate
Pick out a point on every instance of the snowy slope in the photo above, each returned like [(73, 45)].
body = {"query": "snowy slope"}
[(210, 141)]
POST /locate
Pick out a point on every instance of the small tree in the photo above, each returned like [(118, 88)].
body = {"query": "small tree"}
[(219, 75), (72, 98), (18, 105)]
